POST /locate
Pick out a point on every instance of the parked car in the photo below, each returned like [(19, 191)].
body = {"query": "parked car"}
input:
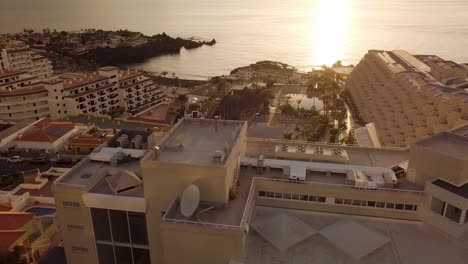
[(15, 159), (64, 161), (40, 160)]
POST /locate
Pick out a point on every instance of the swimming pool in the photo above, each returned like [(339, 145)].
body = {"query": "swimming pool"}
[(41, 211)]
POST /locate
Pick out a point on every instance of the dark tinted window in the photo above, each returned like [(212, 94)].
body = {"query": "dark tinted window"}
[(123, 255), (119, 226), (138, 228), (100, 224), (141, 256), (105, 254)]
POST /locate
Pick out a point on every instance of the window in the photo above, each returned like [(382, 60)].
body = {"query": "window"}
[(119, 225), (347, 201), (80, 250), (399, 206), (138, 232), (100, 221), (71, 227), (261, 193), (304, 197), (371, 203), (453, 213), (338, 201), (356, 202), (105, 253), (123, 255), (321, 199), (380, 204), (390, 205), (70, 204), (141, 256), (437, 206), (409, 207)]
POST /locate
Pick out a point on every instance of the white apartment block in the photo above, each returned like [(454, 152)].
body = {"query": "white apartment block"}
[(264, 201), (25, 97), (19, 56), (22, 97), (407, 96)]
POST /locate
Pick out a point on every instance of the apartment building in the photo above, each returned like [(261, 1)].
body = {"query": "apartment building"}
[(19, 56), (101, 92), (22, 97), (128, 205), (408, 96)]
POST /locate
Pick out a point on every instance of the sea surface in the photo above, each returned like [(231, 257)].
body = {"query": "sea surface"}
[(303, 33)]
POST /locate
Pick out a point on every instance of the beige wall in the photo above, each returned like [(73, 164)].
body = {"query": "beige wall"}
[(426, 164), (77, 216), (344, 193), (200, 245)]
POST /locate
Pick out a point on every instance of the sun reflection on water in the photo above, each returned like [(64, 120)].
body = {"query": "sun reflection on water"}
[(332, 25)]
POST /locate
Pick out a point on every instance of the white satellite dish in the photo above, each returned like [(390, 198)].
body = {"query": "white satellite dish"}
[(190, 200)]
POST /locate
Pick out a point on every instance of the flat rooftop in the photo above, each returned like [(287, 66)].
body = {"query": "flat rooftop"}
[(409, 242), (197, 141), (447, 143), (458, 190), (232, 215), (88, 172), (364, 156)]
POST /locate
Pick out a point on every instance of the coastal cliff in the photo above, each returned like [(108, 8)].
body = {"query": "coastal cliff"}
[(156, 45)]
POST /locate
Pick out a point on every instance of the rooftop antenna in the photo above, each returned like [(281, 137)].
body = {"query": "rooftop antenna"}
[(190, 200)]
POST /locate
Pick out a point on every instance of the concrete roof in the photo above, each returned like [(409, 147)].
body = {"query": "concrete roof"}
[(410, 242), (447, 143), (195, 141)]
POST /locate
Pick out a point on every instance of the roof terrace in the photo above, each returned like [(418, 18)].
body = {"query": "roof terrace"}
[(183, 144)]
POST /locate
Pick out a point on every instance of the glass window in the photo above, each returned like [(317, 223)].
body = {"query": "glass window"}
[(321, 199), (380, 204), (313, 198), (399, 206), (105, 253), (356, 202), (304, 197), (261, 193), (141, 256), (453, 213), (409, 207), (437, 206), (278, 195), (286, 196), (364, 203), (100, 224), (119, 226), (123, 255), (138, 228), (347, 201), (270, 194), (338, 201), (295, 196), (390, 205)]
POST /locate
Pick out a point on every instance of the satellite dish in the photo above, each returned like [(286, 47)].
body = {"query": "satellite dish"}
[(190, 200)]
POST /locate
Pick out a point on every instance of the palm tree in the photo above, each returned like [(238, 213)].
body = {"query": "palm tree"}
[(287, 135), (164, 73), (173, 75), (114, 113)]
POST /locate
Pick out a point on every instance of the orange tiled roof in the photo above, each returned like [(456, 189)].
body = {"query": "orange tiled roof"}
[(88, 140), (47, 131), (23, 91), (83, 80), (8, 73), (5, 207), (123, 75), (14, 220), (9, 237)]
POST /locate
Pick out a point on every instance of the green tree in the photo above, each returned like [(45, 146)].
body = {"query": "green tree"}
[(287, 135)]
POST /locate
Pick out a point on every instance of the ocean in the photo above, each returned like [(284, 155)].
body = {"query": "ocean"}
[(303, 33)]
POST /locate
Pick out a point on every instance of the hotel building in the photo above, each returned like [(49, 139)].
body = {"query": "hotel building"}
[(259, 198), (407, 96), (22, 97), (18, 56), (25, 97)]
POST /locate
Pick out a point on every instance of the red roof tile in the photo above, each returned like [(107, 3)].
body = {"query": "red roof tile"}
[(5, 207), (46, 131), (14, 220), (9, 237)]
